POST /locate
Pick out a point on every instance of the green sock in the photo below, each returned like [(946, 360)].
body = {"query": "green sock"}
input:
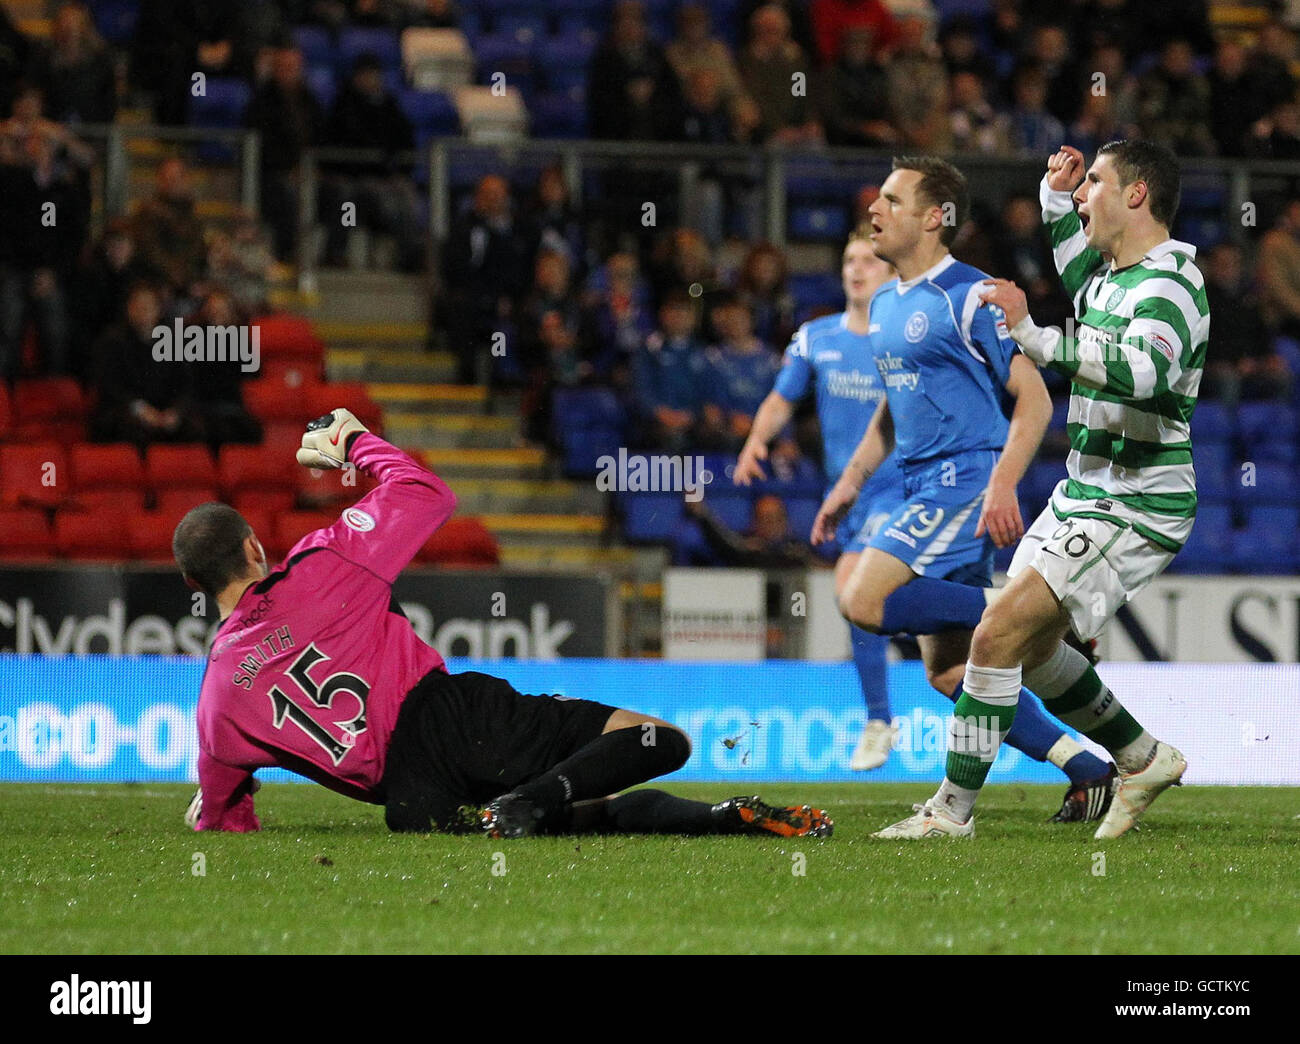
[(986, 707), (1091, 708)]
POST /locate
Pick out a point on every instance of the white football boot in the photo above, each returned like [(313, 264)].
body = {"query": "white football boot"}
[(1136, 791), (873, 747), (927, 821)]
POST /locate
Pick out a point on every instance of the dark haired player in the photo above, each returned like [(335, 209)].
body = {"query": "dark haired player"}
[(316, 669)]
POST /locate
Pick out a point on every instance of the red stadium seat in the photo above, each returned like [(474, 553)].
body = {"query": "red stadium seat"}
[(283, 336), (264, 501), (283, 438), (6, 412), (114, 466), (461, 541), (179, 501), (83, 534), (292, 526), (272, 403), (25, 534), (149, 535), (111, 504), (33, 475), (179, 467), (255, 468), (329, 488), (290, 373), (49, 407), (351, 395)]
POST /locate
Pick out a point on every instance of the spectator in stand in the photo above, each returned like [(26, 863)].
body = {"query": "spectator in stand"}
[(962, 51), (102, 285), (763, 289), (708, 120), (801, 29), (1033, 128), (1242, 362), (1050, 50), (45, 211), (975, 125), (669, 377), (1234, 106), (175, 39), (833, 19), (14, 53), (1277, 272), (1277, 135), (218, 395), (239, 262), (552, 292), (485, 270), (366, 116), (373, 14), (289, 119), (1270, 66), (855, 100), (617, 314), (432, 14), (75, 69), (1174, 103), (1022, 253), (768, 543), (918, 88), (695, 48), (168, 232), (554, 223), (683, 261), (739, 371), (770, 66), (632, 92), (139, 398)]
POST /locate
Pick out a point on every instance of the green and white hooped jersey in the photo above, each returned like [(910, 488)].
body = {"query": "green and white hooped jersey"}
[(1135, 364)]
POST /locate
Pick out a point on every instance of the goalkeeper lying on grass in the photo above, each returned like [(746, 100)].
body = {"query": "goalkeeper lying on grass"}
[(316, 669)]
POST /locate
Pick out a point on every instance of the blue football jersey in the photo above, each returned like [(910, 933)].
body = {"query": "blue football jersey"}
[(944, 359), (739, 380), (826, 354)]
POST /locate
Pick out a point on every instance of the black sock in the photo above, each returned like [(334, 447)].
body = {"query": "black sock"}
[(655, 812), (609, 763)]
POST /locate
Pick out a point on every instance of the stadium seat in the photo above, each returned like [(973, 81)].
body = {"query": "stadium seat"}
[(83, 534), (817, 289), (523, 25), (1268, 431), (290, 372), (652, 518), (179, 501), (438, 59), (316, 45), (558, 115), (6, 412), (806, 480), (268, 401), (25, 533), (432, 113), (221, 104), (322, 81), (107, 503), (819, 223), (1213, 420), (179, 467), (1210, 545), (292, 526), (1269, 542), (462, 541), (801, 512), (1264, 482), (241, 468), (322, 398), (264, 501), (289, 337), (111, 466), (1214, 475), (589, 424), (116, 20), (49, 407), (354, 41), (33, 475), (328, 489)]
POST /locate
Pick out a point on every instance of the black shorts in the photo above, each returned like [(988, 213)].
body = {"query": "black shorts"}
[(464, 739)]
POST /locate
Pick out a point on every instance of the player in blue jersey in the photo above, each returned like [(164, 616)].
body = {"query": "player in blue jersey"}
[(832, 355), (950, 372)]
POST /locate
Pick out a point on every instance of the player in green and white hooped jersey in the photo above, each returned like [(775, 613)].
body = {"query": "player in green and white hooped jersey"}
[(1135, 358)]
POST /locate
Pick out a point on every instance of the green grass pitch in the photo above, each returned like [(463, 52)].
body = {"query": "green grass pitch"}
[(112, 869)]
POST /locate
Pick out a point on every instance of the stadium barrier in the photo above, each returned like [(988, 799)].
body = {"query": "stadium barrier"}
[(131, 719)]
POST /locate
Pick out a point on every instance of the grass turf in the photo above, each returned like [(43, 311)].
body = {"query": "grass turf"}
[(110, 869)]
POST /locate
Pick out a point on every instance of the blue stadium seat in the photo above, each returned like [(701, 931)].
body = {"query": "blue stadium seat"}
[(734, 508), (1212, 420), (1060, 414), (1269, 542), (430, 113), (1266, 483), (946, 9), (322, 81), (652, 518), (527, 27), (814, 289), (589, 424), (563, 61), (316, 45), (355, 41), (802, 511), (1210, 544), (1268, 431), (819, 223), (116, 20), (222, 105), (504, 54), (558, 115), (1039, 481), (806, 481), (1213, 463), (689, 548)]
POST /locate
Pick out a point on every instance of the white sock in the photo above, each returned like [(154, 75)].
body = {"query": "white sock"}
[(1063, 750), (957, 802)]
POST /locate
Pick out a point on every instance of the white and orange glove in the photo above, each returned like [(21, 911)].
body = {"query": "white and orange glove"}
[(327, 439)]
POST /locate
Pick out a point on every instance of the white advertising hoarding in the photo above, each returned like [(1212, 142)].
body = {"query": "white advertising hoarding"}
[(714, 614)]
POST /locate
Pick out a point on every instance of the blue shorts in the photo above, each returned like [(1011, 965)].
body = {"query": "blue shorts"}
[(864, 520), (933, 530)]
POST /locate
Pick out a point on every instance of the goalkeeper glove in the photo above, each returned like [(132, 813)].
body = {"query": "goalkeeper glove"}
[(327, 439)]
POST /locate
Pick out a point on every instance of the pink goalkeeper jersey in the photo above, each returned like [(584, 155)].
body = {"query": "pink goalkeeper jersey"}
[(311, 668)]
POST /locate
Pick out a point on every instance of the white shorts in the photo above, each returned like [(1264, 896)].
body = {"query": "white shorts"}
[(1092, 565)]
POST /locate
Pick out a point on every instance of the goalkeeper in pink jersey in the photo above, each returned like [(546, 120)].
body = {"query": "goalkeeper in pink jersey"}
[(316, 669)]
